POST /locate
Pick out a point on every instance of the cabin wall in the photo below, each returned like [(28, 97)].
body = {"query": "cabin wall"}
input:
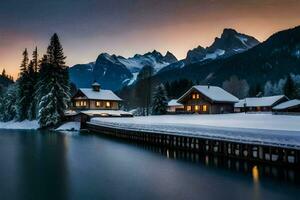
[(92, 105), (220, 108), (175, 108)]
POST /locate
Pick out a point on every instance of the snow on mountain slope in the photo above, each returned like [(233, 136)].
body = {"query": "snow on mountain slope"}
[(137, 62), (114, 72)]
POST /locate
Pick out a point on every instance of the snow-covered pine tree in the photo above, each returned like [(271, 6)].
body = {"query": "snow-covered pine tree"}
[(31, 82), (268, 89), (53, 86), (160, 101), (23, 96), (8, 104)]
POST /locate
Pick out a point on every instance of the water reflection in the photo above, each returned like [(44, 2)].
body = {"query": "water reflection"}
[(257, 171), (42, 167)]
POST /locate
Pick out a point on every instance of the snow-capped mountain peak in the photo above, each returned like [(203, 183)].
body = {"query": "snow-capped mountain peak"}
[(231, 42)]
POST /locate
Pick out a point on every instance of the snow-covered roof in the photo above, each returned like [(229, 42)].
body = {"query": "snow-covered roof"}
[(174, 102), (259, 101), (213, 92), (100, 95), (106, 113), (287, 104), (95, 84)]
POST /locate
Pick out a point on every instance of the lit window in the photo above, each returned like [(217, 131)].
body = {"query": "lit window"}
[(98, 104), (188, 108), (194, 96), (82, 103), (77, 103), (107, 104), (204, 108), (198, 96), (196, 108)]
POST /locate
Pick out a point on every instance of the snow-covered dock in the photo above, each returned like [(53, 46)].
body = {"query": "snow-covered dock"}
[(276, 130), (258, 137)]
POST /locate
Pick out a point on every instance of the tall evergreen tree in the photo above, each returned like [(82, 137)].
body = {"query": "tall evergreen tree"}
[(144, 88), (160, 101), (23, 96), (31, 82), (35, 59), (53, 86), (289, 88), (8, 104)]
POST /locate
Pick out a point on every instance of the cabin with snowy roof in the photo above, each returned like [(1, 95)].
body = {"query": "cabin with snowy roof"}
[(206, 99), (292, 107), (259, 104), (174, 106), (95, 98)]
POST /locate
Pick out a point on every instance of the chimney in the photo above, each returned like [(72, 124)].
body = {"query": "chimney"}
[(96, 86)]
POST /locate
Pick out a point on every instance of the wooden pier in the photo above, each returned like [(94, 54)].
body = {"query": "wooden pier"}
[(270, 154)]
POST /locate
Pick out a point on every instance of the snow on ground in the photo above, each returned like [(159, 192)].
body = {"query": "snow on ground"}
[(69, 126), (278, 130), (19, 125)]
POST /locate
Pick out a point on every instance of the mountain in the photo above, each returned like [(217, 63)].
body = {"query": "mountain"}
[(270, 60), (230, 43), (114, 72)]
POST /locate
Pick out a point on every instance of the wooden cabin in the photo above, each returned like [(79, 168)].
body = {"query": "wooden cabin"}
[(292, 107), (259, 104), (95, 98), (206, 99), (174, 106)]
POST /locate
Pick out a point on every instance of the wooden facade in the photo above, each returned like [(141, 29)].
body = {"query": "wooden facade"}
[(95, 99), (81, 102), (196, 102)]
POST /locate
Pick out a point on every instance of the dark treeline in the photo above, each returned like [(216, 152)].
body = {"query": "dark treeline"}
[(42, 90), (177, 88)]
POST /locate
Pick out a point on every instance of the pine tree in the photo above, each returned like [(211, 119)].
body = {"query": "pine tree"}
[(144, 88), (35, 59), (31, 82), (53, 86), (23, 96), (8, 104), (289, 88), (160, 101)]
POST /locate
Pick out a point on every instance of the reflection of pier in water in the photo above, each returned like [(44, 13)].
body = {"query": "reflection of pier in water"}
[(257, 171), (238, 149), (256, 160)]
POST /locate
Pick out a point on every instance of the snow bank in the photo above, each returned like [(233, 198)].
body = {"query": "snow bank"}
[(69, 126), (277, 130), (20, 125)]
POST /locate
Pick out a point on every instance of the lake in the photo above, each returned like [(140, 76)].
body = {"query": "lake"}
[(48, 165)]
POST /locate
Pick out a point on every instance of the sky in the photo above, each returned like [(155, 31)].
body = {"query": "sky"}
[(125, 27)]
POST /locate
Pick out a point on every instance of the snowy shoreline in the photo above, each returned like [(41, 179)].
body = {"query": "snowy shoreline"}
[(277, 130), (23, 125)]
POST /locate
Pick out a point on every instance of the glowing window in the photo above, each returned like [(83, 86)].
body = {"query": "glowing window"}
[(188, 108), (197, 96), (196, 108), (82, 103), (98, 103), (194, 96), (77, 103), (107, 104), (204, 108)]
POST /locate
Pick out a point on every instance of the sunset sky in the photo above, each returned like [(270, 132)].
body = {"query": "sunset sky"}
[(126, 27)]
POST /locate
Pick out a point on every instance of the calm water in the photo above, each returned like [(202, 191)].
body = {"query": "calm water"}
[(36, 165)]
